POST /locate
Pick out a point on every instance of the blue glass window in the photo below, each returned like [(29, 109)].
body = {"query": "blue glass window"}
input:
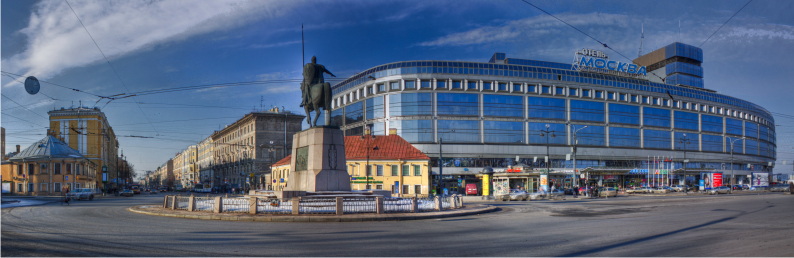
[(394, 86), (559, 91), (547, 108), (623, 137), (738, 145), (592, 135), (546, 90), (456, 85), (634, 98), (691, 138), (502, 105), (354, 112), (337, 117), (532, 88), (558, 129), (486, 86), (425, 84), (751, 130), (686, 120), (358, 130), (503, 86), (381, 87), (517, 88), (763, 134), (599, 94), (764, 149), (414, 131), (410, 104), (712, 143), (441, 84), (572, 92), (587, 111), (466, 131), (410, 84), (655, 139), (611, 96), (458, 104), (624, 114), (503, 132), (375, 107), (751, 147), (585, 93), (622, 97), (473, 85), (733, 126), (711, 123)]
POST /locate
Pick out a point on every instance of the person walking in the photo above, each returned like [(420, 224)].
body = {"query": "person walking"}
[(575, 192)]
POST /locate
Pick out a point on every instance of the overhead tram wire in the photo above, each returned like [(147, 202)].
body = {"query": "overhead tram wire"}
[(31, 111), (6, 114), (723, 24), (109, 64), (54, 84)]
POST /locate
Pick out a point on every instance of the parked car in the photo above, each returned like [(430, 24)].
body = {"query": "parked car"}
[(82, 193), (471, 189), (557, 193), (736, 187), (719, 190), (535, 196), (518, 195), (126, 192), (659, 190), (678, 188), (607, 192)]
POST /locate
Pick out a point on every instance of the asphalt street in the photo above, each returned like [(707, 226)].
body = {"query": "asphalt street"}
[(723, 225)]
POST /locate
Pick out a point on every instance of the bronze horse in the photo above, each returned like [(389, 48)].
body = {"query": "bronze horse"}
[(316, 92)]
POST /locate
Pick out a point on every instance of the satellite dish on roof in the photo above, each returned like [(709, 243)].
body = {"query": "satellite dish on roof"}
[(32, 85)]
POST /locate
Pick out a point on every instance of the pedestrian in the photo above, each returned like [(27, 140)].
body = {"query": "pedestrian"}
[(575, 192), (595, 192)]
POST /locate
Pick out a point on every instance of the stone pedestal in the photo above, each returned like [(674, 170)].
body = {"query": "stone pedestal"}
[(318, 161)]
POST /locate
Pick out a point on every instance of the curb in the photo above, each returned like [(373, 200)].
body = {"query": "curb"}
[(315, 218)]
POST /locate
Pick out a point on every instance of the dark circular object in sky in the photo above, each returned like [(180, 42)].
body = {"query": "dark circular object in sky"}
[(32, 85)]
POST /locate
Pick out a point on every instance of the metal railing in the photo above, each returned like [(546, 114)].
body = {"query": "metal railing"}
[(359, 205), (182, 202), (168, 202), (317, 206), (274, 206), (426, 204), (236, 205), (392, 205), (204, 204)]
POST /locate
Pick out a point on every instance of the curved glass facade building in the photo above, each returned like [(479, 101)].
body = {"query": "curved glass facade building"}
[(491, 113)]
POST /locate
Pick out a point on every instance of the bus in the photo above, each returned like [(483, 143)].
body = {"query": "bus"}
[(136, 188), (202, 188)]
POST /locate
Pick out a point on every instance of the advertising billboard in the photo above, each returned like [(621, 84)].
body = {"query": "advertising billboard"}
[(711, 180), (760, 180)]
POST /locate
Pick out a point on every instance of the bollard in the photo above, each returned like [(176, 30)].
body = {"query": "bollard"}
[(414, 205), (165, 201), (296, 203), (173, 202), (340, 205), (379, 204), (438, 203), (218, 204), (191, 203), (453, 203), (252, 205), (460, 202)]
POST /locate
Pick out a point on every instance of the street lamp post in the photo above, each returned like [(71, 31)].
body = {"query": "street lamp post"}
[(732, 175), (441, 162), (575, 141), (368, 135), (546, 133), (685, 141)]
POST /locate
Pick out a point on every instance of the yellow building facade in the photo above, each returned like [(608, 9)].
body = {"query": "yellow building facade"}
[(88, 131), (394, 165), (47, 167)]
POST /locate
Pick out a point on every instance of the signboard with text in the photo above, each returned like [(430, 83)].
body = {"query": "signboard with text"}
[(588, 60)]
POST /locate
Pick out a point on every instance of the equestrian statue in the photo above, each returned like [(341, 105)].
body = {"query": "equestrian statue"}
[(315, 91)]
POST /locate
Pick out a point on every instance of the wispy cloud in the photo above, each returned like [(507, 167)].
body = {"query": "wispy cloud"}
[(279, 44), (57, 41)]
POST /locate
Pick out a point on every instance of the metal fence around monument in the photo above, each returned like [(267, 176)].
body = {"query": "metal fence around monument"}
[(359, 205), (204, 204), (426, 204), (182, 202), (317, 206), (236, 205), (274, 206), (392, 205)]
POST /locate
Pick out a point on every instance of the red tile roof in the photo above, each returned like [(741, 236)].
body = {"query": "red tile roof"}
[(390, 147)]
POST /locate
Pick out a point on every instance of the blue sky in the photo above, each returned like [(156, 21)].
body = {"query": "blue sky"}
[(165, 44)]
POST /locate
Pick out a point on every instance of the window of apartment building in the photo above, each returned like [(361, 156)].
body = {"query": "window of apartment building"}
[(20, 167), (418, 189), (380, 170), (56, 187), (31, 169), (57, 169), (406, 170), (368, 187), (19, 188), (417, 170), (43, 168), (394, 171), (379, 187), (31, 187), (406, 188), (78, 169), (43, 187), (68, 168), (369, 170)]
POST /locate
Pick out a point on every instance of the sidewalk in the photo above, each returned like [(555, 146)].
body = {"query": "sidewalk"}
[(465, 211)]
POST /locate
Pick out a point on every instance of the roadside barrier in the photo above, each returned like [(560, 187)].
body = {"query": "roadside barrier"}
[(312, 205)]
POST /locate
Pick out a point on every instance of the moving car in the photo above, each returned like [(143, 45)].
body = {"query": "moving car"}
[(607, 192), (535, 196), (82, 193), (719, 190), (557, 193), (513, 195), (126, 192), (737, 187)]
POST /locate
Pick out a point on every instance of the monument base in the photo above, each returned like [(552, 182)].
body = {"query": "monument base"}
[(318, 162)]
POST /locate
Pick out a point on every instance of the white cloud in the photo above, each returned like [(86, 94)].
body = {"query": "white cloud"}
[(279, 44), (526, 28), (57, 41), (771, 31)]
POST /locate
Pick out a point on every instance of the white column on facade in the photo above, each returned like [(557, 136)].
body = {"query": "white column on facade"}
[(672, 130), (606, 120)]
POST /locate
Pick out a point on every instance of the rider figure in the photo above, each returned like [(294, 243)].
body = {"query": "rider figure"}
[(312, 74)]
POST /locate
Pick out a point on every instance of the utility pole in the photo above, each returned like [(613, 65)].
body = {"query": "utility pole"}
[(440, 184), (575, 141), (685, 141), (546, 133)]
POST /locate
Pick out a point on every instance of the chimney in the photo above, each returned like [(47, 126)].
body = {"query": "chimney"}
[(17, 148)]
